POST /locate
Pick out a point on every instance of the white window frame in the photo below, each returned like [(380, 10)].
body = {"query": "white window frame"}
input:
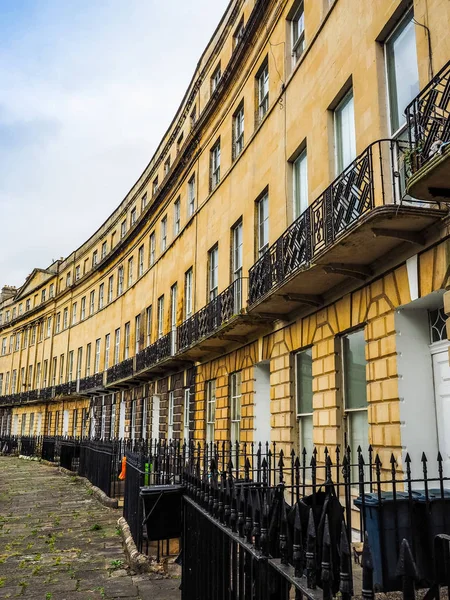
[(152, 248), (213, 272), (235, 406), (97, 356), (170, 414), (177, 216), (210, 410), (126, 353), (130, 271), (141, 261), (300, 184), (302, 417), (107, 349), (101, 296), (263, 223), (160, 317), (298, 33), (186, 414), (215, 165), (238, 131), (148, 325), (191, 196), (173, 316), (117, 346), (340, 161), (188, 292), (263, 90), (110, 288), (163, 233), (137, 333), (215, 78)]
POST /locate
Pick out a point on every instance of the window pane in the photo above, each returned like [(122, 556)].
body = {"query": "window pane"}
[(403, 77), (345, 133), (304, 382), (300, 185), (355, 370), (306, 435)]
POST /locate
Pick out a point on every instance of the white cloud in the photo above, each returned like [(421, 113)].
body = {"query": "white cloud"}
[(88, 89)]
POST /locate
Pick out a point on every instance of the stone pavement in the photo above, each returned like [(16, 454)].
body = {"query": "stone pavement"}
[(58, 543)]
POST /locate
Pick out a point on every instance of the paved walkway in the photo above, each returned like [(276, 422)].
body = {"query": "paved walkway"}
[(58, 543)]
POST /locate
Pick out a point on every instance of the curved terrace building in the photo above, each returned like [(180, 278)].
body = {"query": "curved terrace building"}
[(278, 270)]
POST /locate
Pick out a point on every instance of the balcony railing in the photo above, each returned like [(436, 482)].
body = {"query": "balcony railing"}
[(65, 389), (369, 181), (147, 357), (164, 347), (91, 383), (212, 316), (428, 118), (47, 393), (122, 370)]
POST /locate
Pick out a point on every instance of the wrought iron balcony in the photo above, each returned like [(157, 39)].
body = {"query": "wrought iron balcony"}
[(147, 357), (122, 370), (428, 118), (91, 383), (47, 393), (211, 317), (155, 353), (362, 215), (65, 389)]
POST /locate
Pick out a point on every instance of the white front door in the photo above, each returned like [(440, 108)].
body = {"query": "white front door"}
[(441, 371)]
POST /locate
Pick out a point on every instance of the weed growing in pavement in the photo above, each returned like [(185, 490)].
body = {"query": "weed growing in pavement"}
[(116, 564)]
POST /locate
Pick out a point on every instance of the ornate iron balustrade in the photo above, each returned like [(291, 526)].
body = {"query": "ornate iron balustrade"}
[(65, 389), (212, 316), (147, 357), (428, 118), (120, 371), (362, 185), (47, 393), (91, 383), (164, 347)]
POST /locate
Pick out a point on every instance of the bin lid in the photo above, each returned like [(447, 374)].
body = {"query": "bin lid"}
[(385, 497), (433, 494), (150, 490)]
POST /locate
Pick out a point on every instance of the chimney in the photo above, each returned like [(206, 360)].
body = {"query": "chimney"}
[(8, 291)]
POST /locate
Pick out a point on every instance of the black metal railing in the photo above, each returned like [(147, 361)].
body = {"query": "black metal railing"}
[(164, 347), (47, 393), (91, 383), (48, 448), (428, 118), (122, 370), (99, 462), (263, 523), (212, 316), (369, 181), (147, 358), (65, 389)]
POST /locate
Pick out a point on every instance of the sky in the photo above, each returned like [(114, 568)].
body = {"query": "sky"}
[(87, 90)]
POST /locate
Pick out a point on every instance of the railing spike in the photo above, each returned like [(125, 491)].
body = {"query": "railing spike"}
[(311, 552), (346, 583), (327, 566), (407, 570), (367, 571)]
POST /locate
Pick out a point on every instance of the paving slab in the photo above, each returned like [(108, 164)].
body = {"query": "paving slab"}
[(57, 542)]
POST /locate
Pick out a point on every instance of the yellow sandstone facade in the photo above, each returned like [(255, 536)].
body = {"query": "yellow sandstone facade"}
[(270, 276)]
